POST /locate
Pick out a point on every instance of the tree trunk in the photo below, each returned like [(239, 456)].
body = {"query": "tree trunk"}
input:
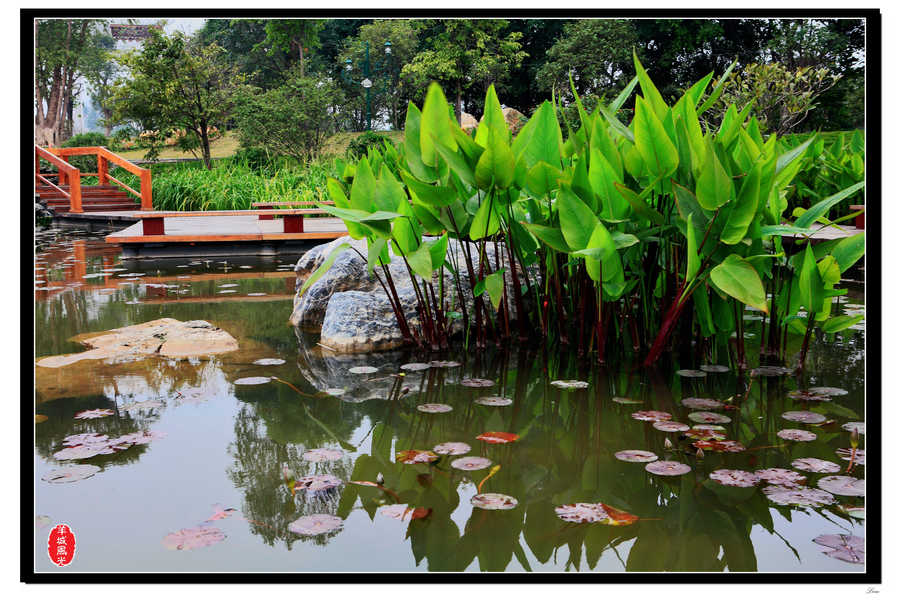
[(204, 144), (459, 102)]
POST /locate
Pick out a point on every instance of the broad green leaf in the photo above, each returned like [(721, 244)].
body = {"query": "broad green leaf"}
[(619, 100), (744, 209), (784, 230), (486, 222), (496, 165), (717, 90), (651, 94), (729, 127), (829, 270), (376, 254), (438, 250), (581, 183), (640, 207), (493, 121), (435, 124), (542, 178), (323, 268), (819, 209), (704, 314), (849, 250), (336, 192), (551, 236), (810, 282), (791, 155), (406, 231), (616, 124), (624, 240), (412, 147), (714, 186), (493, 284), (457, 162), (576, 219), (359, 216), (431, 195), (695, 92), (688, 205), (389, 193), (737, 278), (362, 192), (540, 139), (835, 324), (652, 141), (603, 182), (693, 257), (602, 143), (420, 262), (602, 261)]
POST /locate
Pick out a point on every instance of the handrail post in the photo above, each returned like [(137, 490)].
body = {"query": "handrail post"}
[(146, 190), (75, 192), (102, 169), (37, 166)]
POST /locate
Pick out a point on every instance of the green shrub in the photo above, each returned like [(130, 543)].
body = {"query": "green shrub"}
[(360, 146), (91, 138)]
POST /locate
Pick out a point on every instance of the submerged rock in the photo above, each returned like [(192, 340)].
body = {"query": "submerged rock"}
[(169, 338), (350, 308)]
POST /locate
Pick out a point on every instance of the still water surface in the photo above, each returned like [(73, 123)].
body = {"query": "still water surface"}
[(225, 445)]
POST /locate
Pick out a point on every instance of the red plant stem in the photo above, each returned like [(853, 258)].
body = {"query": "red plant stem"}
[(665, 330)]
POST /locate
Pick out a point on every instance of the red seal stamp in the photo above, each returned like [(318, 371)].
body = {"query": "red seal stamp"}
[(61, 545)]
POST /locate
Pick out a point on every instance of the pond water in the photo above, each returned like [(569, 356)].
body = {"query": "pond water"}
[(217, 469)]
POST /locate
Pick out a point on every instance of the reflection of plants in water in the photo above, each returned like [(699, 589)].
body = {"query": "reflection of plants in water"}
[(259, 452)]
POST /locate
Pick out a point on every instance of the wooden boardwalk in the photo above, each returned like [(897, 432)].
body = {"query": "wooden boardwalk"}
[(243, 228)]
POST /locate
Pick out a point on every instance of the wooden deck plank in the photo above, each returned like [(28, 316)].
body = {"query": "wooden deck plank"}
[(229, 228)]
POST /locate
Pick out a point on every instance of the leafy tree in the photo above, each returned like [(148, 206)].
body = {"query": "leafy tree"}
[(464, 54), (388, 92), (244, 43), (61, 49), (101, 72), (291, 120), (294, 37), (781, 97), (177, 83), (597, 54), (538, 36)]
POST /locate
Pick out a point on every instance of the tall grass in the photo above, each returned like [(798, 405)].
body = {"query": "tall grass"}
[(232, 184)]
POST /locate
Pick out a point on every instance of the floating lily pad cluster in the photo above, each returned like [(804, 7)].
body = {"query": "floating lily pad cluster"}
[(88, 445)]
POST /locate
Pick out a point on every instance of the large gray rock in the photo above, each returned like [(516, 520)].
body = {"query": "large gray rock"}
[(352, 311)]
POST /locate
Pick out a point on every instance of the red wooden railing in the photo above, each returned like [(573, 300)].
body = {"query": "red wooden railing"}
[(66, 174), (104, 157)]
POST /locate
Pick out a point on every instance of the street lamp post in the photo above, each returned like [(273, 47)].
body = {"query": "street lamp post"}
[(382, 67)]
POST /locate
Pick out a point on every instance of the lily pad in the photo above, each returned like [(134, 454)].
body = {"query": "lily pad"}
[(843, 485), (857, 425), (782, 477), (690, 373), (796, 435), (709, 427), (828, 391), (190, 539), (770, 371), (492, 501), (444, 364), (317, 483), (702, 403), (714, 368), (452, 448), (220, 513), (415, 367), (476, 383), (228, 285), (848, 548), (497, 437), (704, 434), (257, 294), (412, 457), (434, 408), (493, 401), (252, 380), (637, 456), (471, 463), (362, 370), (95, 413), (402, 512), (651, 415), (815, 465), (803, 416), (807, 396), (266, 362), (708, 417), (322, 455), (335, 391), (621, 400), (582, 512), (719, 446), (798, 496), (667, 467), (845, 453), (670, 426), (316, 524), (734, 477), (71, 474), (569, 384)]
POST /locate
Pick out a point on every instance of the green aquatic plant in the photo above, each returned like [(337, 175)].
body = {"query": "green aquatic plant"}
[(634, 236)]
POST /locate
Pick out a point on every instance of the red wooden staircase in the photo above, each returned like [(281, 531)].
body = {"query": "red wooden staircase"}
[(67, 195)]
